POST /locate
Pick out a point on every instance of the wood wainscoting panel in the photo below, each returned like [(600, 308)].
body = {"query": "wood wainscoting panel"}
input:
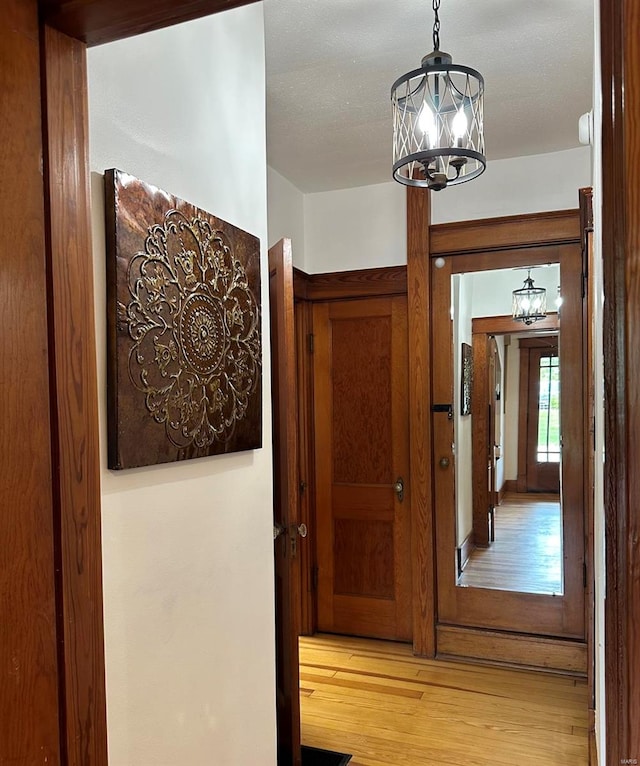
[(521, 650)]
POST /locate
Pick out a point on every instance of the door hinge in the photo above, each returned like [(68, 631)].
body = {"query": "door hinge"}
[(584, 284), (584, 574), (314, 578), (311, 344)]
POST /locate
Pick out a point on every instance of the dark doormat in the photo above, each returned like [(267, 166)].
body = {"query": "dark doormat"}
[(312, 756)]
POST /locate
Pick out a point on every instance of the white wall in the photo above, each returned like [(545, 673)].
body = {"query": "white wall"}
[(286, 215), (492, 290), (462, 300), (187, 547), (522, 185), (358, 228), (365, 227)]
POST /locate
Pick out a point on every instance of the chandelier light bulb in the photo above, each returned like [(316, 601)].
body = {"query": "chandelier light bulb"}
[(459, 125), (427, 124)]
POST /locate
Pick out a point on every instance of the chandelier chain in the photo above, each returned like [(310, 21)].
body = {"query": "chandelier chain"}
[(436, 25)]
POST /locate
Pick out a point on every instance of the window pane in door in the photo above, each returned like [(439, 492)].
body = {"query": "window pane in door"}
[(549, 411)]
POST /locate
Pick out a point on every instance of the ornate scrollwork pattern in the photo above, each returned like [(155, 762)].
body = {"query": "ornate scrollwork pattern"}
[(195, 330)]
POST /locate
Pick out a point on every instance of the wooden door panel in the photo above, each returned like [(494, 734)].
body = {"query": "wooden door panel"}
[(363, 558), (361, 427), (361, 400), (285, 501)]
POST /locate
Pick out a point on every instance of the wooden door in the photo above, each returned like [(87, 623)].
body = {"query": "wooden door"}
[(543, 418), (483, 413), (285, 501), (492, 468), (362, 451)]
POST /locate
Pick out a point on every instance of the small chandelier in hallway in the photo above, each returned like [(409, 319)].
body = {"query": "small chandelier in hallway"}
[(438, 132), (529, 302)]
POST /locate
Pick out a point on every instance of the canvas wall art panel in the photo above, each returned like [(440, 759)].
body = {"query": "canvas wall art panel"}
[(184, 336)]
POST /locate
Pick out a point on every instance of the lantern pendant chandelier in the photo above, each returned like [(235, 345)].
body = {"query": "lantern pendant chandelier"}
[(438, 112), (529, 302)]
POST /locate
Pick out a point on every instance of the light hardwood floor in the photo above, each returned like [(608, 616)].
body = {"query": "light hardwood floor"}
[(377, 701), (526, 554)]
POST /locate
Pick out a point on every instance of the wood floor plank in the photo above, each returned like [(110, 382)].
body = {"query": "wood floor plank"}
[(373, 699)]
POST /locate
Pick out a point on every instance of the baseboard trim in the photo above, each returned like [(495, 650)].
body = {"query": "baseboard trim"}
[(464, 551), (510, 485), (515, 649)]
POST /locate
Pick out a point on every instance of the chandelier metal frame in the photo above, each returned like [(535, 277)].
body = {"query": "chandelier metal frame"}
[(438, 121), (529, 302)]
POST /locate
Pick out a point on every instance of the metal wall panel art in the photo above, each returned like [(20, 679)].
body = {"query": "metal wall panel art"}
[(184, 340), (466, 379)]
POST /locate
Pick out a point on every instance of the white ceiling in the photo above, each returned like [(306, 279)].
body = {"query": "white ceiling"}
[(331, 64)]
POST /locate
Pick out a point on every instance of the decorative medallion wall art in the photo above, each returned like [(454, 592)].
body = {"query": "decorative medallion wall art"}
[(184, 341), (466, 379)]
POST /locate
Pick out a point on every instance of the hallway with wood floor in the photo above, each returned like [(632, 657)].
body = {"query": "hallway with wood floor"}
[(377, 701), (526, 555)]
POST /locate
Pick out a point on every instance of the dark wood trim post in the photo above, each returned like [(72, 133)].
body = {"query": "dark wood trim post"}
[(421, 458), (620, 68), (74, 401)]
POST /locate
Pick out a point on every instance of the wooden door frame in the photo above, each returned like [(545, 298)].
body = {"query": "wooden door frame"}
[(286, 477), (620, 227), (560, 617), (526, 346), (424, 242), (66, 28)]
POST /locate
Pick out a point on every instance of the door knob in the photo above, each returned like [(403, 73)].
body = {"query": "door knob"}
[(444, 462), (302, 530), (278, 529), (398, 488)]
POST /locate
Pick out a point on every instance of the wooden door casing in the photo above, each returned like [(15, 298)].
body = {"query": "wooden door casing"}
[(361, 445), (285, 501)]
